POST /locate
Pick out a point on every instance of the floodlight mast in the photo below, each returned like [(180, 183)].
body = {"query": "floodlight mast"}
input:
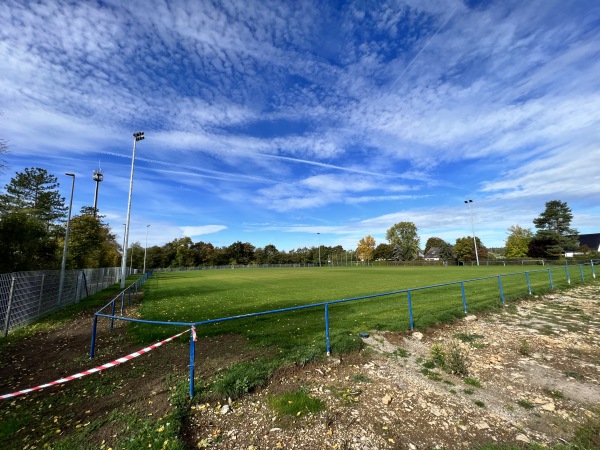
[(98, 178), (138, 136), (66, 246), (468, 202)]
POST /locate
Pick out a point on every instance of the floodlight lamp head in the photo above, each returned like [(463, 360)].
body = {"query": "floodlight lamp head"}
[(139, 136), (98, 176), (70, 174)]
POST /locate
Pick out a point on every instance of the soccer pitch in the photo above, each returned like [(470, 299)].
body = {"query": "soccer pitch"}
[(194, 296)]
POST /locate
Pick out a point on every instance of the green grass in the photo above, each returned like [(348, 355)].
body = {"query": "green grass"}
[(195, 296), (295, 403)]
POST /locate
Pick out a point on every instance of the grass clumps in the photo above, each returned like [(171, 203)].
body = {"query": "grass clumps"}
[(295, 403), (241, 378), (451, 357)]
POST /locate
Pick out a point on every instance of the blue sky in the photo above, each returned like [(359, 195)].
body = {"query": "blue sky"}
[(271, 121)]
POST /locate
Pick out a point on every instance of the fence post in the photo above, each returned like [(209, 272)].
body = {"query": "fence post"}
[(41, 295), (192, 359), (464, 297), (528, 282), (581, 272), (93, 344), (501, 290), (8, 307), (122, 302), (327, 341), (410, 311), (87, 293), (550, 276), (112, 319), (567, 272)]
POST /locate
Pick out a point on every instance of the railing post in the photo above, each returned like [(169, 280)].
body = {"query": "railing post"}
[(93, 344), (122, 302), (9, 306), (567, 272), (550, 276), (410, 311), (327, 341), (192, 359), (581, 272), (501, 290), (464, 297), (528, 282), (593, 271), (112, 319)]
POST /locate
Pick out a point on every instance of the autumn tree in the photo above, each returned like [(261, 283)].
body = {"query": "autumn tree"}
[(405, 236), (517, 242), (383, 252), (464, 249), (554, 233), (366, 248)]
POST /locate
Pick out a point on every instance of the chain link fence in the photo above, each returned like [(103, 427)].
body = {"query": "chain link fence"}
[(26, 296)]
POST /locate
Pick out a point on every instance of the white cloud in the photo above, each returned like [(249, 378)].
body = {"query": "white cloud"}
[(194, 231)]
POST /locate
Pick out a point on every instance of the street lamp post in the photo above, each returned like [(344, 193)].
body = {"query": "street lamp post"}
[(138, 136), (64, 256), (319, 242), (468, 202), (146, 248)]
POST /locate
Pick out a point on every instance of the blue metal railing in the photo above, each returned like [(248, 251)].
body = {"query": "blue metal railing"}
[(135, 286)]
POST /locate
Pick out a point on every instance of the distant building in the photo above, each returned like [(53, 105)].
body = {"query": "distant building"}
[(433, 254), (592, 241)]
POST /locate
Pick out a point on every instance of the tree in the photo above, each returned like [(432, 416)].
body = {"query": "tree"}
[(446, 253), (35, 192), (91, 244), (383, 252), (366, 248), (465, 250), (26, 244), (554, 234), (404, 234), (517, 242), (434, 242)]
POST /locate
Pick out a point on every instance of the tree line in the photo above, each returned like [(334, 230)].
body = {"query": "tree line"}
[(33, 224)]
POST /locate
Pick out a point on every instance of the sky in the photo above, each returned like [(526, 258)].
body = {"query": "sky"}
[(308, 123)]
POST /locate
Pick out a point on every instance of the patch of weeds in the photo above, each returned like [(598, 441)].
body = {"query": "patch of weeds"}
[(509, 407), (588, 436), (573, 374), (524, 347), (546, 329), (303, 355), (511, 308), (468, 338), (348, 396), (469, 391), (295, 403), (429, 364), (457, 361), (401, 352), (437, 356), (554, 394), (524, 403), (346, 342), (472, 382), (449, 383), (360, 378), (434, 376), (479, 403), (453, 391), (241, 378)]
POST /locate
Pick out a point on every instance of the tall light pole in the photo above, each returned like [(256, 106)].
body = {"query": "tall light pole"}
[(468, 202), (319, 242), (138, 136), (64, 256), (146, 249)]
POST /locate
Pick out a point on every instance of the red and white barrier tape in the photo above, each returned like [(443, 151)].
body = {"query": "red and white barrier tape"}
[(114, 363)]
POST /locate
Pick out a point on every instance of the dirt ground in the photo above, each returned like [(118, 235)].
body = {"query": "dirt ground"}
[(533, 376)]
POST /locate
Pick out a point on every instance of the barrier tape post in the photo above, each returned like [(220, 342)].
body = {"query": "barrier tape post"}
[(108, 365), (192, 359)]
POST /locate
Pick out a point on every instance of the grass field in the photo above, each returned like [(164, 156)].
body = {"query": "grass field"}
[(196, 296)]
